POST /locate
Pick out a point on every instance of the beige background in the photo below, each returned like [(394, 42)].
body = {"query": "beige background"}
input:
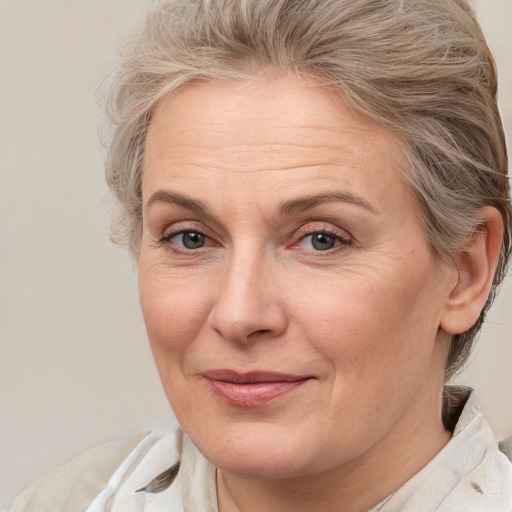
[(75, 368)]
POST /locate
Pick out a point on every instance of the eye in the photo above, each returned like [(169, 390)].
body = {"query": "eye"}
[(188, 239), (322, 240)]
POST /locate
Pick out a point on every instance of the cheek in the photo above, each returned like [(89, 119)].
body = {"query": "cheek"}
[(174, 312), (367, 326), (174, 316)]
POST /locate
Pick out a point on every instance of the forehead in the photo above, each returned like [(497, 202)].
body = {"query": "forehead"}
[(263, 132)]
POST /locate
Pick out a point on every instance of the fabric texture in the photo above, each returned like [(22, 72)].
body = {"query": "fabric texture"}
[(73, 486), (163, 471)]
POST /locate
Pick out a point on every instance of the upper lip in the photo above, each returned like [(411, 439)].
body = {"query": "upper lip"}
[(252, 377)]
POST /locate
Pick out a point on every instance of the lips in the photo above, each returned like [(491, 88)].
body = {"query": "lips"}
[(252, 389)]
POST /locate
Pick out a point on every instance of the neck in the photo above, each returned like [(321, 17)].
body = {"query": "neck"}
[(357, 485)]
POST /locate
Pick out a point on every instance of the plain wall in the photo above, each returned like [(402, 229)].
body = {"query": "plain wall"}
[(75, 367)]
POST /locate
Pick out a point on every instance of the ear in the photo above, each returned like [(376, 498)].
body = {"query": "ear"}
[(475, 268)]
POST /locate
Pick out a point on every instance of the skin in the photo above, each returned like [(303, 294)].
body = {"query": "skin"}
[(364, 319)]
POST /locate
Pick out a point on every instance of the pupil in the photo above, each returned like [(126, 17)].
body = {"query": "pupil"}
[(322, 242), (193, 240)]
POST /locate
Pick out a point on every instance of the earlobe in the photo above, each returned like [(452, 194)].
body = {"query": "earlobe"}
[(475, 272)]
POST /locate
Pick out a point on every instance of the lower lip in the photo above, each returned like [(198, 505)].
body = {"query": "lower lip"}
[(253, 394)]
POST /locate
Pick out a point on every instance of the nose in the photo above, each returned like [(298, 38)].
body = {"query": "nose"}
[(249, 304)]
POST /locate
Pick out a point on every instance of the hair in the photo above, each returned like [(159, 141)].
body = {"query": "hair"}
[(421, 68)]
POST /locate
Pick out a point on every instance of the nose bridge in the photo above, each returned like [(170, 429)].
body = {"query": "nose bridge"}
[(247, 303)]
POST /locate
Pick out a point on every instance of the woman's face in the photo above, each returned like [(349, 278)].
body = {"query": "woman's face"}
[(291, 300)]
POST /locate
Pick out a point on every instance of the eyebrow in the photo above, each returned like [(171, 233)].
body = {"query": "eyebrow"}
[(303, 204), (290, 207), (163, 196)]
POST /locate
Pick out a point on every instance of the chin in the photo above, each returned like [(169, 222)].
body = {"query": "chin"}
[(258, 453), (262, 466)]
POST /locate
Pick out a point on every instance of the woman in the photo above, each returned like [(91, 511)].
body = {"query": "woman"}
[(316, 194)]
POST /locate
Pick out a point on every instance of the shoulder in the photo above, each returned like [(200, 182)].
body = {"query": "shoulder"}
[(73, 486)]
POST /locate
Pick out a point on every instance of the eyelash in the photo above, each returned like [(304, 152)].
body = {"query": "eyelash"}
[(332, 233), (167, 240)]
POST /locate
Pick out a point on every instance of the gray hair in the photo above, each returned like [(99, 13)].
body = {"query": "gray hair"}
[(421, 68)]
